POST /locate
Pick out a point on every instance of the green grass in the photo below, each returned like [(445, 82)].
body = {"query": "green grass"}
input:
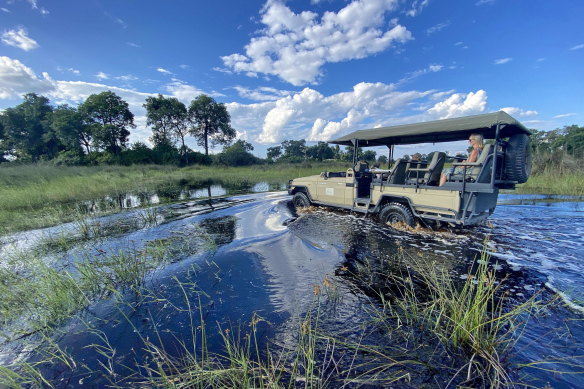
[(551, 182), (35, 196)]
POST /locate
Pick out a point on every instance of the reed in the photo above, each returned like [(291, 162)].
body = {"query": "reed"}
[(35, 196)]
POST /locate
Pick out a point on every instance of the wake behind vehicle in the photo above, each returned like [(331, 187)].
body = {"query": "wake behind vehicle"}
[(409, 191)]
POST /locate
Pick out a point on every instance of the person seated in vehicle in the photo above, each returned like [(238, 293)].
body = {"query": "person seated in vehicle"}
[(477, 143)]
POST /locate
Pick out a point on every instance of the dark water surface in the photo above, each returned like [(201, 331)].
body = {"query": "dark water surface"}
[(253, 258)]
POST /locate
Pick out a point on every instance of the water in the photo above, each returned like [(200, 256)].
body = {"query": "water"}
[(252, 256)]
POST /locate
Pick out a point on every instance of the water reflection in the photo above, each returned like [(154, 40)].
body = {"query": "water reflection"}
[(171, 192)]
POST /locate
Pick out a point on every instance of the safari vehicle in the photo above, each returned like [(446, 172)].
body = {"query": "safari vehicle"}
[(409, 191)]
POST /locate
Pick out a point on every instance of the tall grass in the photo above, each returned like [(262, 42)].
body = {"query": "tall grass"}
[(474, 321), (34, 196)]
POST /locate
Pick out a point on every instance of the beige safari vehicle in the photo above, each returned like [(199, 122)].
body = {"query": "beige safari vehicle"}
[(409, 191)]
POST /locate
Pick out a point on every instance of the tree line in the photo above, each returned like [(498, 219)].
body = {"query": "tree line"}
[(97, 132)]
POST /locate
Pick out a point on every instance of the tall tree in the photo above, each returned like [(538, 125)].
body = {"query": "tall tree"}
[(294, 149), (110, 118), (71, 129), (320, 151), (27, 132), (168, 118), (274, 152), (210, 122)]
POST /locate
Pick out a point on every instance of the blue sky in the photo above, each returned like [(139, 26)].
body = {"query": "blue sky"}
[(312, 69)]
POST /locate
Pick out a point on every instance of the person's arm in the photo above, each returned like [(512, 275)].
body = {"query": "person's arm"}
[(473, 155)]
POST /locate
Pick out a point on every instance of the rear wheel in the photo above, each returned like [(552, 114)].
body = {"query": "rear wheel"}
[(300, 200), (397, 213)]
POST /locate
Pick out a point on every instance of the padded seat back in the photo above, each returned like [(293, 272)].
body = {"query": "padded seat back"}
[(432, 176), (397, 175)]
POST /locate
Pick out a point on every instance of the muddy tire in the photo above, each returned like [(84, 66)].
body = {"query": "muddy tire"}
[(397, 213), (518, 158), (300, 200)]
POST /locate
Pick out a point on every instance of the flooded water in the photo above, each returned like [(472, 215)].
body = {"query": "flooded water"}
[(253, 259)]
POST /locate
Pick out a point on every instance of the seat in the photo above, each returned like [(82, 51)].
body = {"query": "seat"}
[(429, 175), (397, 174), (475, 171)]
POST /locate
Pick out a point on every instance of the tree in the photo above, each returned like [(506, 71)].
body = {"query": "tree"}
[(168, 118), (210, 121), (71, 129), (238, 154), (320, 151), (369, 155), (348, 155), (27, 132), (382, 160), (109, 116), (294, 150), (274, 152)]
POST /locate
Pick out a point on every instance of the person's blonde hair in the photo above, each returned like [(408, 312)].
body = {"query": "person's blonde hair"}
[(479, 140)]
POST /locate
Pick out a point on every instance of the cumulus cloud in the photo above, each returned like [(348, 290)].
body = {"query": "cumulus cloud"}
[(502, 61), (295, 46), (460, 104), (19, 38), (17, 79), (514, 111)]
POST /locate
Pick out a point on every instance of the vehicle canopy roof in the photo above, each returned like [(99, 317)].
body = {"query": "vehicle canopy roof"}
[(437, 131)]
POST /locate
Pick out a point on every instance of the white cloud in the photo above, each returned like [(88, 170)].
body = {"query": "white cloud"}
[(34, 5), (132, 44), (437, 28), (261, 93), (305, 114), (459, 104), (514, 111), (577, 47), (417, 7), (126, 77), (565, 115), (502, 61), (327, 116), (433, 68), (19, 38), (184, 67), (17, 79), (163, 71), (102, 76), (485, 2), (5, 10), (295, 46)]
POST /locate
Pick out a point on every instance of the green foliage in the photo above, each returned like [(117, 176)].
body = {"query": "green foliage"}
[(109, 117), (274, 153), (294, 150), (71, 129), (237, 154), (168, 118), (26, 128), (320, 151), (210, 122)]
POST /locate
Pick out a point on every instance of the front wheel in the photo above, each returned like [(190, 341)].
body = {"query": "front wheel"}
[(300, 200), (397, 213)]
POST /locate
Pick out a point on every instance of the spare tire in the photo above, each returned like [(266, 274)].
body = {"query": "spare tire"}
[(518, 158)]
